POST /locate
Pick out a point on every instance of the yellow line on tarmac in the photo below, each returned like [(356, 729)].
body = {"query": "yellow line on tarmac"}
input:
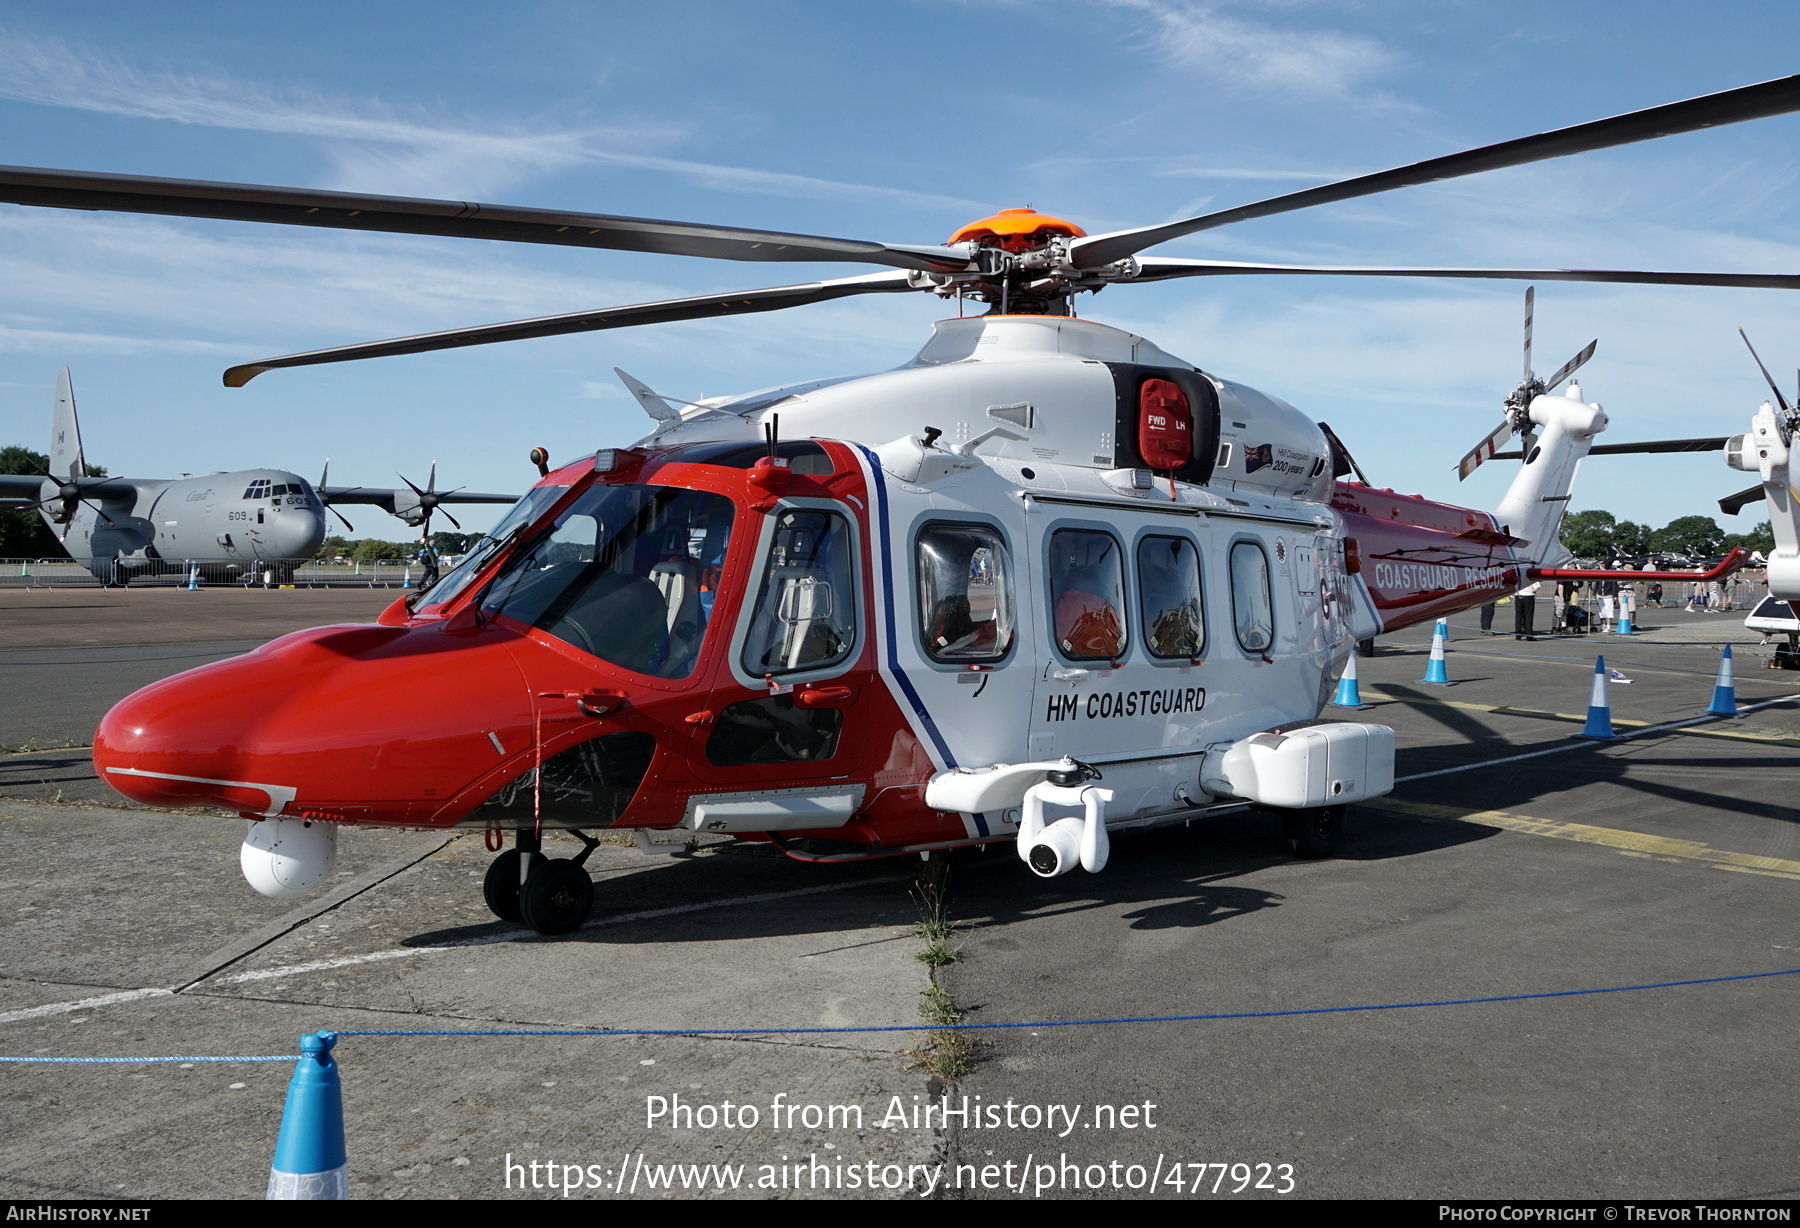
[(1630, 843), (1506, 710)]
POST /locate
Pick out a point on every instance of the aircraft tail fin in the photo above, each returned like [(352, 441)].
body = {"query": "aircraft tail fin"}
[(66, 460)]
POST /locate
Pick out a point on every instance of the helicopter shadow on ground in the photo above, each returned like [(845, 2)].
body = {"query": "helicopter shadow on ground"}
[(1171, 878)]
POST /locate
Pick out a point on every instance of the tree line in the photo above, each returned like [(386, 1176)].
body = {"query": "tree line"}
[(1598, 535)]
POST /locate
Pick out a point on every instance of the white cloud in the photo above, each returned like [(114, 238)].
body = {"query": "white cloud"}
[(1255, 55), (374, 148)]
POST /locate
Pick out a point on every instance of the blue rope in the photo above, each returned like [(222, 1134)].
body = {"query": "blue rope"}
[(952, 1027), (1077, 1023), (285, 1057)]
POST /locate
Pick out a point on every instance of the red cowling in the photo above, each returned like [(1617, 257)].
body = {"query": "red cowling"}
[(1165, 426)]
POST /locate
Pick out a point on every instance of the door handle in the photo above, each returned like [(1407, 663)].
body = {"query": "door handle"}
[(592, 703), (825, 697)]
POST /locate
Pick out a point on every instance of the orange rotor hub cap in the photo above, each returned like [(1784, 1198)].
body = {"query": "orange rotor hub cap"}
[(1017, 230)]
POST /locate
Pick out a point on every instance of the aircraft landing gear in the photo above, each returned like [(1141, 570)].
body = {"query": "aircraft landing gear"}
[(552, 895), (1313, 833)]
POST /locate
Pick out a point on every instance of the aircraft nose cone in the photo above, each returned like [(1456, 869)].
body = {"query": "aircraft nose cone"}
[(295, 534), (366, 723)]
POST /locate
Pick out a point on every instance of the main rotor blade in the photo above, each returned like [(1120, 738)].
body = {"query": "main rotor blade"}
[(1758, 101), (1731, 505), (1484, 450), (1767, 378), (247, 202), (1162, 268), (1712, 444), (1572, 366), (696, 308)]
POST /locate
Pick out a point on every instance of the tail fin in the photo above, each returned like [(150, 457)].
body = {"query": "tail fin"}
[(1534, 504), (66, 460)]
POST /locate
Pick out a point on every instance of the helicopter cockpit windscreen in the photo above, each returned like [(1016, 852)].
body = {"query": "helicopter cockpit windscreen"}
[(625, 574), (536, 501)]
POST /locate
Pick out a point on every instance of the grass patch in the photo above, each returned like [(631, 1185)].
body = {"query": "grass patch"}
[(931, 892), (945, 1052)]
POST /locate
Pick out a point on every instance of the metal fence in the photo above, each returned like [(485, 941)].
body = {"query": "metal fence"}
[(171, 573)]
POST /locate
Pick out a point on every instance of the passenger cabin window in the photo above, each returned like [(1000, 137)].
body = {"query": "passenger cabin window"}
[(965, 593), (622, 575), (805, 612), (1252, 604), (1087, 594), (1170, 598)]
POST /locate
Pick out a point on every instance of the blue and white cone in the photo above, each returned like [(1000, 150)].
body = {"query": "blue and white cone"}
[(309, 1153), (1623, 626), (1599, 717), (1348, 696), (1724, 700), (193, 583), (1434, 668)]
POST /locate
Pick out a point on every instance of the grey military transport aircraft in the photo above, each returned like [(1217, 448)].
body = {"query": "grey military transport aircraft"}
[(249, 521)]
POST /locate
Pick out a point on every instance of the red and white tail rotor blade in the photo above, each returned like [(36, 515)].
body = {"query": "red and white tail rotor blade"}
[(1572, 366), (1484, 450)]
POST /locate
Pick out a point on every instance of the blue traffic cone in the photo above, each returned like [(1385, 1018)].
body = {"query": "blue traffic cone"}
[(193, 583), (1434, 668), (309, 1153), (1623, 627), (1724, 700), (1599, 717), (1348, 696)]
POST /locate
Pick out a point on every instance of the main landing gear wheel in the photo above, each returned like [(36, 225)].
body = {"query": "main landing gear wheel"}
[(1313, 833), (501, 886), (557, 896)]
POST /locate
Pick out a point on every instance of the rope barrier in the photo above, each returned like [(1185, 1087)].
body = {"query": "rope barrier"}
[(1076, 1023), (280, 1057)]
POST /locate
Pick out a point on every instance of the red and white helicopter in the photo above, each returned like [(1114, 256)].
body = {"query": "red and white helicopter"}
[(886, 614)]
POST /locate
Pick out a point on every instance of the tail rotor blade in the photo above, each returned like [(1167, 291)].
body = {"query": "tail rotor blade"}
[(1572, 366), (1731, 505), (1530, 298), (1483, 450), (1767, 378)]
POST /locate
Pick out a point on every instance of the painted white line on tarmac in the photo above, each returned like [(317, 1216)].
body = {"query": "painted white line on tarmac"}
[(1574, 743), (63, 1008), (349, 961)]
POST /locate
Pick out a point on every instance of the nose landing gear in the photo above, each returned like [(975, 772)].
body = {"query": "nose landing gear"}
[(553, 895)]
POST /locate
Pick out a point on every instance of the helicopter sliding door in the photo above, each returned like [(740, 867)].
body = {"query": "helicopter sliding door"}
[(1124, 620)]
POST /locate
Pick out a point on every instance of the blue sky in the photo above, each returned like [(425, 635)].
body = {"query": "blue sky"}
[(896, 121)]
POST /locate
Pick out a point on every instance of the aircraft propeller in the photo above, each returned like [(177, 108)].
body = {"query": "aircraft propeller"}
[(429, 501), (319, 491), (69, 495)]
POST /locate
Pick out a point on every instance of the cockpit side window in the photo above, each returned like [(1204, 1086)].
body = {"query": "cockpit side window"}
[(965, 593), (805, 612), (623, 574)]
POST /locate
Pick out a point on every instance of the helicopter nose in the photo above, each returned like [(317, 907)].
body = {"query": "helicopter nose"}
[(360, 723)]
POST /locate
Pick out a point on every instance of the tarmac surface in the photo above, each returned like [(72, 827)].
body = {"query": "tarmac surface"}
[(1521, 860)]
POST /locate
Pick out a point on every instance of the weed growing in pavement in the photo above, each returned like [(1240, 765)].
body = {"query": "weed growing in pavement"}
[(931, 892)]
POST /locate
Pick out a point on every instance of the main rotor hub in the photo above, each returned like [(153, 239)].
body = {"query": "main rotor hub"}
[(1022, 264), (1017, 230)]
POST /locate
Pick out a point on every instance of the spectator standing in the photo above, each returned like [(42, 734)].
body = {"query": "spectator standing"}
[(1524, 609)]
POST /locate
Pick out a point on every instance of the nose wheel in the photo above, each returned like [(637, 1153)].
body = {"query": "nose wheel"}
[(553, 895)]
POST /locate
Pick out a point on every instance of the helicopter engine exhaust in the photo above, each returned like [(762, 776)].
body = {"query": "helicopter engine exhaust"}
[(286, 858), (1058, 847)]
